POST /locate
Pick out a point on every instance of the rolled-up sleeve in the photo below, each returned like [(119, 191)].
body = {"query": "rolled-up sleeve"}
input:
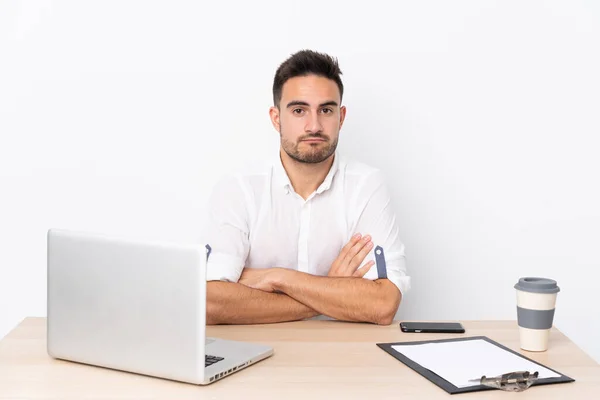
[(375, 216), (226, 231)]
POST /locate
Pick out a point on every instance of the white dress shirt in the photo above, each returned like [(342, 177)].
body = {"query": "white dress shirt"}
[(257, 220)]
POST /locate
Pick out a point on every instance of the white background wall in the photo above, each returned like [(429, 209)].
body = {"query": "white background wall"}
[(119, 116)]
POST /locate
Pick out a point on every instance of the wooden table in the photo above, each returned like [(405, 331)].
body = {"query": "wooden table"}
[(312, 360)]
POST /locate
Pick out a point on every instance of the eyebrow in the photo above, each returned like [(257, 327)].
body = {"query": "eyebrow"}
[(303, 103)]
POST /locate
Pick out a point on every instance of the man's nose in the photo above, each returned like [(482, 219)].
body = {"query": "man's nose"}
[(313, 123)]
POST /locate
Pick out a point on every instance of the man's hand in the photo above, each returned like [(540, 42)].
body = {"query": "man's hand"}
[(352, 255), (259, 278), (345, 265)]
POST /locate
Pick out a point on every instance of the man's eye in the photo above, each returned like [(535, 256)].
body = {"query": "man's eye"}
[(297, 111), (326, 110)]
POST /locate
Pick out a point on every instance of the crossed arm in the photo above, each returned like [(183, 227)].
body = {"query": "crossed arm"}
[(278, 295)]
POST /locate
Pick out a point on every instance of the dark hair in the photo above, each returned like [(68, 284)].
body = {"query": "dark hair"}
[(303, 63)]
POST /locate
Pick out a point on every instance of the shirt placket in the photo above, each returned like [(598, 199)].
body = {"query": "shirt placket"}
[(303, 237)]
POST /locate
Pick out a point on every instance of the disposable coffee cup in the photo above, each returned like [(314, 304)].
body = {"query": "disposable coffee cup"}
[(536, 301)]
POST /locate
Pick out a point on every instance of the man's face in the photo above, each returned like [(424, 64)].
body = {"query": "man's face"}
[(309, 118)]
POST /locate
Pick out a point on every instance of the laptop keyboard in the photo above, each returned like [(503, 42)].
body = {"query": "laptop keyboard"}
[(210, 360)]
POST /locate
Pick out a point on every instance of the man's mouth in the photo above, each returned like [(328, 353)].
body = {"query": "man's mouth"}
[(314, 140)]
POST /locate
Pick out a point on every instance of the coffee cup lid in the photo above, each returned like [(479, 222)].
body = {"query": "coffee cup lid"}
[(537, 285)]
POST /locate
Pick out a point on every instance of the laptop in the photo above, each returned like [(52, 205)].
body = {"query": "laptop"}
[(136, 306)]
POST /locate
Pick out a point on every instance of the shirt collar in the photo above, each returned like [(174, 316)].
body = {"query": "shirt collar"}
[(282, 180), (329, 178)]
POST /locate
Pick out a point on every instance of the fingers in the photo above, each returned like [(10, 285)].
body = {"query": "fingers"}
[(351, 256), (359, 273), (360, 256), (353, 241), (362, 247)]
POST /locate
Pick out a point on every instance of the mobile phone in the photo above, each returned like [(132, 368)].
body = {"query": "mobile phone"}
[(432, 327)]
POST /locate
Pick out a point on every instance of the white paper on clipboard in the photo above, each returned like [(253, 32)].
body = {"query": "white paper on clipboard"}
[(458, 362)]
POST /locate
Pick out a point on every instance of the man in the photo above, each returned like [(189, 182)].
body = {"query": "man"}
[(310, 233)]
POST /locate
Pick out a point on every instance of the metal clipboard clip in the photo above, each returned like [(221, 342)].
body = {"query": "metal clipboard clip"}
[(510, 382)]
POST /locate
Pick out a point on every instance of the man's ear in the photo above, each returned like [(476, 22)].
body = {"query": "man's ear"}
[(342, 115), (274, 114)]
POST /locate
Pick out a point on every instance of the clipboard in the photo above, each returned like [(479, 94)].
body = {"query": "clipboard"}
[(449, 387)]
